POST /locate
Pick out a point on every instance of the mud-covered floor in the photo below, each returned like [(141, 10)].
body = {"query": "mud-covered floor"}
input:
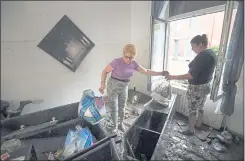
[(181, 147), (207, 146)]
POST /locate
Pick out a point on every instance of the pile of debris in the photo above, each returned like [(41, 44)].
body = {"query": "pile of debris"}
[(207, 144), (132, 105), (223, 141), (219, 141)]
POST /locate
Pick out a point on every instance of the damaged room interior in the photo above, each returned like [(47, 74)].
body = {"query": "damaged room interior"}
[(122, 80)]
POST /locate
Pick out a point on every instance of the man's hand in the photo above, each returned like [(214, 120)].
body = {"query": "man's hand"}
[(102, 88)]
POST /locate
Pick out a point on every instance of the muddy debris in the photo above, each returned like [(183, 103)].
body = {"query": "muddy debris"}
[(127, 114), (136, 112), (225, 137), (175, 146), (209, 141), (216, 145), (202, 135), (215, 155), (191, 156), (181, 123), (237, 140), (223, 140), (213, 134), (176, 139), (184, 146)]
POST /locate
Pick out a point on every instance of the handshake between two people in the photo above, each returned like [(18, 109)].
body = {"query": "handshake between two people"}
[(163, 73), (168, 76)]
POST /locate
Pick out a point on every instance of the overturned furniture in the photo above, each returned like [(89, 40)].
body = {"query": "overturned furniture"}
[(142, 138), (47, 130)]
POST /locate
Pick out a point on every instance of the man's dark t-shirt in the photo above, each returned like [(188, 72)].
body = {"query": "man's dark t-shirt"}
[(201, 68)]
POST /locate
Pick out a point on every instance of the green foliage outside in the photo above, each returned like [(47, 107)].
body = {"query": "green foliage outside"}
[(215, 49)]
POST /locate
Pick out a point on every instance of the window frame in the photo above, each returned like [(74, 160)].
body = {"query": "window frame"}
[(225, 35), (176, 84), (196, 13)]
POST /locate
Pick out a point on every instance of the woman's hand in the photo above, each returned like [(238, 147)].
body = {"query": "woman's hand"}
[(102, 88), (105, 98), (107, 70), (165, 73), (151, 72), (171, 77), (179, 77)]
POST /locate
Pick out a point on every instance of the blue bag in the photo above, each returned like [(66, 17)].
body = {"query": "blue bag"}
[(76, 141), (91, 108)]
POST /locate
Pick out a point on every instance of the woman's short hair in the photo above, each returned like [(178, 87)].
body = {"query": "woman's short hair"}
[(200, 39), (131, 49)]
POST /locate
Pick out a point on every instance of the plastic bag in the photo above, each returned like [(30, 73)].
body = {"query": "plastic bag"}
[(77, 141), (163, 91), (11, 145), (91, 108)]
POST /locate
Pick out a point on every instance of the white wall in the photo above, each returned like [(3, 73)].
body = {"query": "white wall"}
[(235, 122), (140, 36), (27, 72)]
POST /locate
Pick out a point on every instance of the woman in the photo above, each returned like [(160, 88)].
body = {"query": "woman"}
[(122, 69), (200, 74)]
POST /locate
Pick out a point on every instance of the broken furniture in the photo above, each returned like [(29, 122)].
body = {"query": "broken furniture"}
[(6, 112), (47, 131), (106, 151), (25, 152), (60, 113), (141, 139), (4, 106)]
